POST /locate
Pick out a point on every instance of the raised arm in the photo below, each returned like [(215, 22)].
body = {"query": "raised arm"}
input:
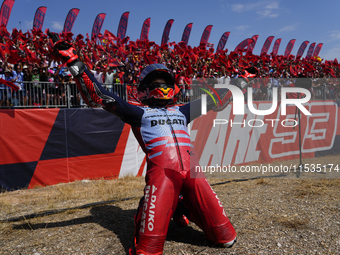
[(91, 90)]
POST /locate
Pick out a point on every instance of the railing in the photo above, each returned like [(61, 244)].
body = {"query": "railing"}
[(49, 95), (66, 95)]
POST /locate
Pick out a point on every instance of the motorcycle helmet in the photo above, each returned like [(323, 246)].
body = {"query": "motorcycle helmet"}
[(156, 85)]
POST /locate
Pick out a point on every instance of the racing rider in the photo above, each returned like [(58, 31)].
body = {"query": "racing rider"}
[(161, 129)]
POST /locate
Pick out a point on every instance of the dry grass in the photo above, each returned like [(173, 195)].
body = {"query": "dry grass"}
[(69, 195), (5, 206), (316, 188), (294, 221), (6, 229), (263, 181)]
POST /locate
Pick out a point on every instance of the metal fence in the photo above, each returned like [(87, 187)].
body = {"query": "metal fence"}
[(66, 95), (49, 95)]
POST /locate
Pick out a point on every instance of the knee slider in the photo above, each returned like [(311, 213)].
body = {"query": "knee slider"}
[(224, 234)]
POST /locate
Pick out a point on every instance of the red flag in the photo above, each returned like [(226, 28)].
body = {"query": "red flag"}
[(189, 70), (310, 50), (276, 46), (113, 62), (39, 18), (31, 57), (328, 63), (120, 75), (144, 35), (95, 55), (67, 36), (309, 67), (79, 37), (233, 55), (166, 32), (242, 63), (36, 33), (4, 32), (292, 71), (302, 49), (266, 45), (14, 56), (9, 84), (317, 50), (289, 47), (100, 36), (39, 48), (70, 19), (122, 27), (109, 35), (14, 34), (3, 50), (125, 40), (330, 71), (5, 12), (206, 34), (186, 33), (252, 45), (22, 37), (243, 45), (97, 25)]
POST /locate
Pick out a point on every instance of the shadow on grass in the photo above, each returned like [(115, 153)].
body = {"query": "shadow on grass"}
[(121, 223)]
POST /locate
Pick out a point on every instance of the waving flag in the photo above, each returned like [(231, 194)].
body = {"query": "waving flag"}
[(97, 25), (244, 44), (144, 35), (39, 18), (186, 33), (302, 49), (109, 35), (123, 23), (317, 50), (222, 42), (166, 32), (310, 50), (70, 19), (6, 9), (276, 46), (266, 45), (252, 45), (3, 51), (9, 84), (289, 47), (206, 34), (31, 56)]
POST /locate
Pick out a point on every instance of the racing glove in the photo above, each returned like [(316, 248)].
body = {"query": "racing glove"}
[(65, 51)]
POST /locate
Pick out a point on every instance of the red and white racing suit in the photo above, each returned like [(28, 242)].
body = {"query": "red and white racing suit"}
[(163, 135)]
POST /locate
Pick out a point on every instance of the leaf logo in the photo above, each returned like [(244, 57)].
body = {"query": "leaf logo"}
[(209, 93)]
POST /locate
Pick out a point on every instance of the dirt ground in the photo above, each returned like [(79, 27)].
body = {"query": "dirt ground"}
[(296, 215)]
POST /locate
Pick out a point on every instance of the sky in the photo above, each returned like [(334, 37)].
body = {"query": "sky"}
[(314, 21)]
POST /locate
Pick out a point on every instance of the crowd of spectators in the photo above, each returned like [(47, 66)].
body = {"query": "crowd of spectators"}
[(27, 60)]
